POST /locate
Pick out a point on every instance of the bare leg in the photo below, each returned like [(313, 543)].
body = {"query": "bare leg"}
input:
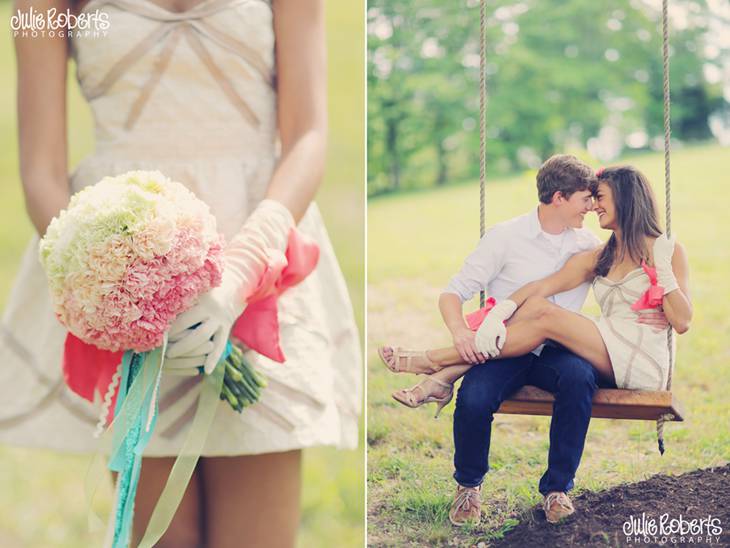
[(252, 500), (575, 332), (449, 356), (539, 320), (186, 528)]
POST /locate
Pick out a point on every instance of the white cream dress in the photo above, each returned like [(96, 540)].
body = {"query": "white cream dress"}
[(639, 352), (191, 94)]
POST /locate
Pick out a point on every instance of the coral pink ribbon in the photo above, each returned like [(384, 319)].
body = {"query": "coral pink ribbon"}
[(87, 368), (475, 319), (653, 296)]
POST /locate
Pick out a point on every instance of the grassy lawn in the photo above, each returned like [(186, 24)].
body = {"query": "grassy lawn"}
[(41, 493), (416, 242)]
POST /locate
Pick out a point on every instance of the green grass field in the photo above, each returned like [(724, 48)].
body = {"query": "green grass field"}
[(416, 242), (41, 493)]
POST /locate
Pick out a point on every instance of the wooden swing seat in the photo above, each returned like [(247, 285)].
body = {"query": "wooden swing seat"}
[(607, 404)]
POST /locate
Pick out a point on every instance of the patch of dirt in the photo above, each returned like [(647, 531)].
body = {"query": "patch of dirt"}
[(600, 517)]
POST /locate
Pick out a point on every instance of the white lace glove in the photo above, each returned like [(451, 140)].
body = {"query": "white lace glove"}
[(663, 251), (492, 334), (265, 232)]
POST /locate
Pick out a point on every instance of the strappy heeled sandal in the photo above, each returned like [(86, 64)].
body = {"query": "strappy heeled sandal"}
[(403, 356), (409, 398)]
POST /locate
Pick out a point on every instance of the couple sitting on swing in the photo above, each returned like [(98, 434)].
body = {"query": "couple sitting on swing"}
[(536, 269)]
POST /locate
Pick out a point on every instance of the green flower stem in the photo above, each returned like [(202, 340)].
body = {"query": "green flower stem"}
[(242, 384), (225, 392)]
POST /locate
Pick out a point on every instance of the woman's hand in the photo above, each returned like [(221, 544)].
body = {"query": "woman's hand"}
[(464, 341), (492, 334), (656, 319), (264, 235), (663, 252), (676, 304), (213, 316)]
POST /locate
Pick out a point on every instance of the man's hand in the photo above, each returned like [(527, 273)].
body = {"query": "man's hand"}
[(492, 334), (653, 318), (465, 344)]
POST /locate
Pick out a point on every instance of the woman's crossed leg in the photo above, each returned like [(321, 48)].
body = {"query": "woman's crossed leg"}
[(534, 322)]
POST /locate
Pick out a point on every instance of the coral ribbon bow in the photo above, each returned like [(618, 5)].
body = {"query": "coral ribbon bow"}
[(653, 296), (258, 326), (475, 319), (87, 369)]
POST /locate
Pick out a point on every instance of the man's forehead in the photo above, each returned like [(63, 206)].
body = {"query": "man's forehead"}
[(582, 194)]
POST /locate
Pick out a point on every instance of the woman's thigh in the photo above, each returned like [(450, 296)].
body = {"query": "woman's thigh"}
[(186, 528), (577, 333), (252, 497)]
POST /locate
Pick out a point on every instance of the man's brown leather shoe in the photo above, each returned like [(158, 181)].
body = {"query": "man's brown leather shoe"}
[(557, 506), (467, 505)]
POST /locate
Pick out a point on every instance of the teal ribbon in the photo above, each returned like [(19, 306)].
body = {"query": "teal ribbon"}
[(131, 434), (135, 416)]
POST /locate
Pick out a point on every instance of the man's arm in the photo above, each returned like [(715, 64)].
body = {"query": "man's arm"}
[(479, 269), (492, 334), (463, 337)]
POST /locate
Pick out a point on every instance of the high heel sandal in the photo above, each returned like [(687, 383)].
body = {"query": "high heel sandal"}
[(407, 396), (407, 357)]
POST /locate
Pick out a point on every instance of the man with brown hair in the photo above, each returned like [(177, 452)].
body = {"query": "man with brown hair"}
[(510, 255)]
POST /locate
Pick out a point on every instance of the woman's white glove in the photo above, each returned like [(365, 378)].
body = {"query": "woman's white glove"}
[(663, 251), (265, 232), (190, 364), (492, 334)]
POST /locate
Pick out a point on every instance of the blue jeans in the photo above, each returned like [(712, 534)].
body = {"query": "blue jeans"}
[(484, 387)]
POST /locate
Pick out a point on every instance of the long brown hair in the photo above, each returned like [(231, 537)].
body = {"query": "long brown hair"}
[(636, 215)]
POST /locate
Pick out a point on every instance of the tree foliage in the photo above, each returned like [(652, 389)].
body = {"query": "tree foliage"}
[(561, 75)]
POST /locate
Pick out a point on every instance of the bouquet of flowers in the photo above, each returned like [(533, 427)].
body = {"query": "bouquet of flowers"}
[(126, 257)]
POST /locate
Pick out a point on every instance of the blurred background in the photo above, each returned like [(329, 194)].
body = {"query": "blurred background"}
[(574, 76), (41, 493), (561, 76)]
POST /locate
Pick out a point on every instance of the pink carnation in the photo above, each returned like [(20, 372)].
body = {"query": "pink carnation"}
[(129, 255)]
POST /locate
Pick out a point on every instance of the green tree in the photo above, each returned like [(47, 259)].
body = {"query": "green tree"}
[(557, 74)]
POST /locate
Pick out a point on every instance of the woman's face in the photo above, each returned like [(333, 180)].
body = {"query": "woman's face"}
[(605, 208)]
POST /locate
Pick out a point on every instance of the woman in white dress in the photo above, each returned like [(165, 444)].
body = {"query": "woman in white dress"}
[(638, 268), (229, 98)]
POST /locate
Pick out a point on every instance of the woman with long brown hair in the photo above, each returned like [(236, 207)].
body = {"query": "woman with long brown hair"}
[(638, 268)]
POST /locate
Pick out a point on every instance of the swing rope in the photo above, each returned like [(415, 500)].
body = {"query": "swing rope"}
[(667, 192), (667, 180), (482, 121)]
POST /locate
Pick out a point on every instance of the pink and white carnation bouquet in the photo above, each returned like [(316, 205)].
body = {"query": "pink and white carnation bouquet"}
[(126, 257)]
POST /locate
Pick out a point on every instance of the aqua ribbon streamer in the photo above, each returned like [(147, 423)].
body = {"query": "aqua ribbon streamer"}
[(184, 466), (130, 436), (135, 416)]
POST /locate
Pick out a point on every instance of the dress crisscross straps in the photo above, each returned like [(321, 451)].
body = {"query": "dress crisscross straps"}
[(155, 65), (638, 352)]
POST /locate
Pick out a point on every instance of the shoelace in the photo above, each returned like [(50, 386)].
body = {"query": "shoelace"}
[(466, 498), (561, 498)]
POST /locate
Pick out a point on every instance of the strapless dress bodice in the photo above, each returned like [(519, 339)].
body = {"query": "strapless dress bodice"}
[(196, 83)]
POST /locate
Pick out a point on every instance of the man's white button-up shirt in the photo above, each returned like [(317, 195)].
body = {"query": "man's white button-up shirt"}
[(517, 252)]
